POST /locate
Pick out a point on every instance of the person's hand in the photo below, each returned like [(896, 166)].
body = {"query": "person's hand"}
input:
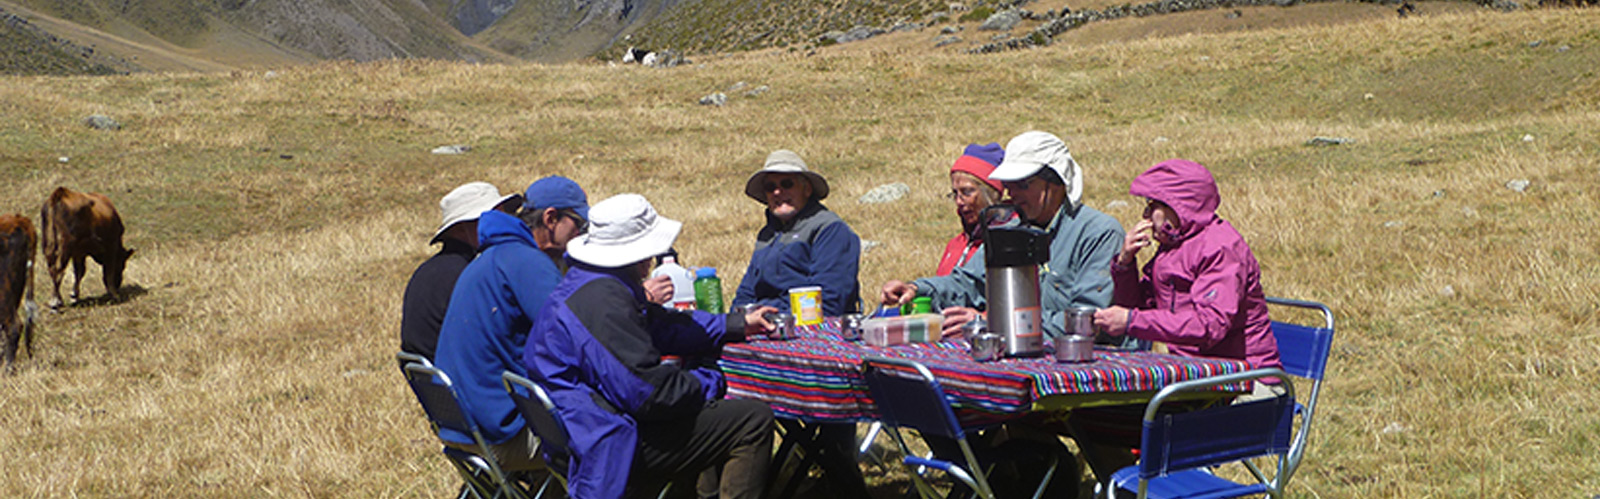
[(755, 320), (1113, 320), (954, 319), (658, 289), (898, 293), (1136, 239)]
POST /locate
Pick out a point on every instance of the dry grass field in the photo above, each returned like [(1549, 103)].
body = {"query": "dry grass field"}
[(277, 216)]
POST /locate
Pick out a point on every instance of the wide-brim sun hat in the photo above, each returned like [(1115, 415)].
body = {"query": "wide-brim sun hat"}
[(1026, 154), (466, 203), (784, 161), (623, 230)]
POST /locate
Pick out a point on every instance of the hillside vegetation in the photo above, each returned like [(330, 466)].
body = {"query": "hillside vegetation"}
[(277, 216)]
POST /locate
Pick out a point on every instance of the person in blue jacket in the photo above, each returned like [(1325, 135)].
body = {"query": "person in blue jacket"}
[(493, 306), (803, 244), (637, 421)]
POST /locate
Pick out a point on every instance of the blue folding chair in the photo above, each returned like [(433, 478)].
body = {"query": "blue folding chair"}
[(540, 413), (446, 409), (1303, 351), (908, 396), (1177, 450)]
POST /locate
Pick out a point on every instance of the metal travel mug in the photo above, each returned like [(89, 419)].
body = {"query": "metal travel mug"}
[(850, 327), (1080, 321), (1073, 348), (987, 346), (782, 325)]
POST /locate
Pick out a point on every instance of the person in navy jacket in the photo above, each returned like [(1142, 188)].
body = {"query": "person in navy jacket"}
[(803, 244), (636, 420)]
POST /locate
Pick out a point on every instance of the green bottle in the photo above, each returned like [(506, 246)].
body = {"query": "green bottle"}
[(708, 290)]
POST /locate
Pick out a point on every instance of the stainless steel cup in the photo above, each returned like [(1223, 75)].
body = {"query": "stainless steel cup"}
[(987, 346), (1073, 348), (850, 327), (1080, 321), (782, 325)]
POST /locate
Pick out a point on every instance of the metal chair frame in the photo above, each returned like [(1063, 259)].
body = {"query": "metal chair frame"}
[(1303, 351), (920, 403), (447, 409), (539, 411)]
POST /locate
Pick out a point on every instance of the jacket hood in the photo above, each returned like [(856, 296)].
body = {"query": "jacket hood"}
[(496, 227), (1187, 187)]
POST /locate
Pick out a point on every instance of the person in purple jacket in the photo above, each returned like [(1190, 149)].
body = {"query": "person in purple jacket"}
[(635, 420), (1200, 294)]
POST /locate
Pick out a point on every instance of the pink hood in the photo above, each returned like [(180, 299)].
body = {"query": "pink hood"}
[(1202, 295)]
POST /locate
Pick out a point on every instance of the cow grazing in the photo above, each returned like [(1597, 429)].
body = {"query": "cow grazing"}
[(17, 241), (78, 225)]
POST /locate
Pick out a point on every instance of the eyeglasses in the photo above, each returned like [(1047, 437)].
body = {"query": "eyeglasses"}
[(786, 184), (583, 225), (1018, 185), (963, 193)]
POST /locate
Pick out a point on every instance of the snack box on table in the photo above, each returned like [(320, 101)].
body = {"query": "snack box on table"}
[(916, 328)]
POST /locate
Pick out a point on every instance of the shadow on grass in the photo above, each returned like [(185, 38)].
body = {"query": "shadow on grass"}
[(127, 293)]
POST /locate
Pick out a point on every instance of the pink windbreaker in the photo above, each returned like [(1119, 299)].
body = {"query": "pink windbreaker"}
[(1202, 295)]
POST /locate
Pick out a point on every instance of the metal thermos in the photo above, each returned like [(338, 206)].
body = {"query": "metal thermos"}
[(1012, 254)]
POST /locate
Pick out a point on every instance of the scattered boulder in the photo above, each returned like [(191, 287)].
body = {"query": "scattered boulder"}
[(1447, 291), (757, 91), (1329, 141), (1233, 15), (101, 122), (856, 33), (1393, 224), (1519, 185), (1002, 21), (906, 27), (716, 99), (455, 149), (946, 40), (1535, 43), (1438, 194), (1527, 137), (868, 245), (949, 30), (1563, 48), (737, 87), (1116, 205), (885, 193)]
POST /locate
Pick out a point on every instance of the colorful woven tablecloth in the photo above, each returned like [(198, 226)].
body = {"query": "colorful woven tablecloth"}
[(814, 377)]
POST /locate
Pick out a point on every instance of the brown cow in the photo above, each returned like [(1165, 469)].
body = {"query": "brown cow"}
[(79, 225), (17, 240)]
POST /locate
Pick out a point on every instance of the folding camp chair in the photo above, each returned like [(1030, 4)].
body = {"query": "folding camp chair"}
[(908, 396), (446, 409), (540, 413), (475, 473), (1304, 351)]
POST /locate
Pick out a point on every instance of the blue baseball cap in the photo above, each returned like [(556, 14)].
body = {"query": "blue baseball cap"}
[(556, 192)]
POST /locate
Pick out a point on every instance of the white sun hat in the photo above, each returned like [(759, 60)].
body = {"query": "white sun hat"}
[(624, 229), (466, 203), (1031, 151), (784, 161)]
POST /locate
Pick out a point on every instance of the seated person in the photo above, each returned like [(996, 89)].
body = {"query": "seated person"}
[(427, 294), (635, 421), (492, 308), (972, 191), (803, 244), (1201, 295), (1046, 185)]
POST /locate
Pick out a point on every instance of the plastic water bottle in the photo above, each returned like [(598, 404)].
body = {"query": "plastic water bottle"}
[(683, 292), (708, 290)]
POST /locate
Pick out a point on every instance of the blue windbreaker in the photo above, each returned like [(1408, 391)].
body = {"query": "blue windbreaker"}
[(596, 347), (486, 326), (816, 248)]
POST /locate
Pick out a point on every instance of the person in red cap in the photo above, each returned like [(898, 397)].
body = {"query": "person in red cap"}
[(972, 191)]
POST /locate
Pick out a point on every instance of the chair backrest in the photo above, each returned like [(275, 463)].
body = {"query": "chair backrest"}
[(539, 411), (1304, 352), (1216, 435), (437, 395), (907, 395)]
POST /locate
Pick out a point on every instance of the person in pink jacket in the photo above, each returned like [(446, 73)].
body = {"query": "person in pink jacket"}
[(1201, 292)]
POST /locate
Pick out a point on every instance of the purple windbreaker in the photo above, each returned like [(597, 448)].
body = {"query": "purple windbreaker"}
[(1201, 295)]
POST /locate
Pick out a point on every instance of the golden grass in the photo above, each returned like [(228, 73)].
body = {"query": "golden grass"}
[(255, 357)]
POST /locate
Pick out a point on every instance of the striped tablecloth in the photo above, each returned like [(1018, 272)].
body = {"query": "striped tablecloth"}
[(814, 376)]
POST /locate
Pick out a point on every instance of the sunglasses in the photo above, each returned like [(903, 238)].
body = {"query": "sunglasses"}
[(786, 184), (583, 225)]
